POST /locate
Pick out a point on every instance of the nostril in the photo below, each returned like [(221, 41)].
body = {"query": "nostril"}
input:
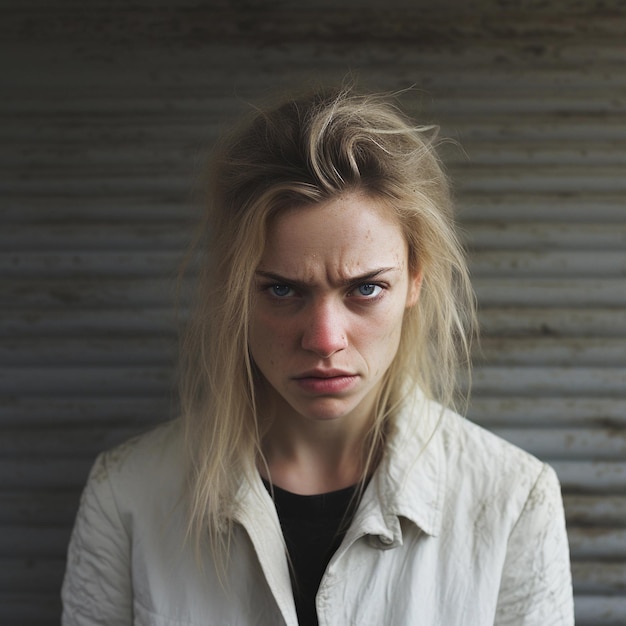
[(323, 343), (324, 338)]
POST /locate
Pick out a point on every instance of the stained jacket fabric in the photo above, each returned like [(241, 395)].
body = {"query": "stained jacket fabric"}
[(456, 527)]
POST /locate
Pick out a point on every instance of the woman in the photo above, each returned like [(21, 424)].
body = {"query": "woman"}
[(315, 475)]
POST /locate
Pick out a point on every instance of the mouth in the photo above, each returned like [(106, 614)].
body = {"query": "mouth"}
[(326, 381), (324, 373)]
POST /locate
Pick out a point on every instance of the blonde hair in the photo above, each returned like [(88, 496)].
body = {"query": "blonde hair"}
[(305, 151)]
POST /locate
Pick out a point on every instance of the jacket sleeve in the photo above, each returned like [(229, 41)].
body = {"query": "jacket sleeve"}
[(97, 584), (536, 586)]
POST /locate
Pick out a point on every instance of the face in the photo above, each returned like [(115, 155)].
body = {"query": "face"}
[(332, 288)]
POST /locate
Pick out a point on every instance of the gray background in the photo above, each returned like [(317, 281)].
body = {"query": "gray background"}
[(107, 110)]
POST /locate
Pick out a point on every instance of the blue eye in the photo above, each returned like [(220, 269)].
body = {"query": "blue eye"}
[(280, 291), (369, 289)]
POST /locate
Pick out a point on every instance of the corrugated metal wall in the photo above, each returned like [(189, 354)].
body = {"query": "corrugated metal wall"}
[(107, 108)]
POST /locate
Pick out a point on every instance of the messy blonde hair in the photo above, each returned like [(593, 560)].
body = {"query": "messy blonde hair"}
[(305, 151)]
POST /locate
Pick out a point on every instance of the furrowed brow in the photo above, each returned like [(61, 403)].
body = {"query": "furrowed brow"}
[(281, 280), (344, 282), (363, 278)]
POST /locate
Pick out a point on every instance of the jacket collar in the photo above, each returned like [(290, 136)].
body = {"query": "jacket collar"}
[(256, 512), (410, 481)]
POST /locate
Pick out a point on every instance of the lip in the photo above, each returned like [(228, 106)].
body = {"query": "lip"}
[(326, 381), (324, 373)]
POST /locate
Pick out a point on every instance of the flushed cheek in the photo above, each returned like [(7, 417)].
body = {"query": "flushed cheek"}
[(388, 325), (270, 341), (380, 347)]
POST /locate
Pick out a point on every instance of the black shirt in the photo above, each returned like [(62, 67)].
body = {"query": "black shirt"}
[(313, 527)]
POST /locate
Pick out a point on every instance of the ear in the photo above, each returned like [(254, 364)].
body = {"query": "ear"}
[(415, 287)]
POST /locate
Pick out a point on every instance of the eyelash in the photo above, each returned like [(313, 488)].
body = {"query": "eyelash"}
[(271, 290), (374, 296)]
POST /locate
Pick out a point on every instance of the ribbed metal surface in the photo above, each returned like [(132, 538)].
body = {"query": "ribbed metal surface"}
[(107, 110)]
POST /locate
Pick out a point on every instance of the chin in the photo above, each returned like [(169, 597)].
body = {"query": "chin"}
[(327, 409)]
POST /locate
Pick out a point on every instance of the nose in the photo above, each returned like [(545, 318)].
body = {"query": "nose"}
[(324, 332)]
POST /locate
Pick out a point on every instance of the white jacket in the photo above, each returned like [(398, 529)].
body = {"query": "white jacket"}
[(460, 528)]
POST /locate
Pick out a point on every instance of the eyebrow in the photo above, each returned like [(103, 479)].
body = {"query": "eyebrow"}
[(344, 282)]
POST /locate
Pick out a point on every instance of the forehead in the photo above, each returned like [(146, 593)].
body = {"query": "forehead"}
[(346, 234)]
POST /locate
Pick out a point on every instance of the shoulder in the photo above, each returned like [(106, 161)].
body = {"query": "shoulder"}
[(149, 449), (463, 437), (467, 470), (480, 455), (426, 429), (132, 491), (148, 464), (495, 479)]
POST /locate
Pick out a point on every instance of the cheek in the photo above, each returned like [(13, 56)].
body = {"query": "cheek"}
[(256, 343), (394, 325), (380, 336), (268, 339), (389, 320)]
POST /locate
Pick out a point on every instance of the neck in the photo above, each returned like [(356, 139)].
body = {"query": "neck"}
[(313, 456)]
